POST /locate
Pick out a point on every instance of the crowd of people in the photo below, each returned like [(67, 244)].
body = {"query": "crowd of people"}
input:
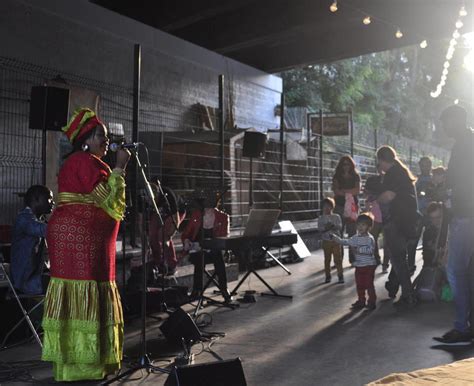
[(83, 321)]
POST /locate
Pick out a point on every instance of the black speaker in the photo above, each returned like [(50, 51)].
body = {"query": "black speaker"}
[(254, 144), (228, 373), (180, 325), (49, 107)]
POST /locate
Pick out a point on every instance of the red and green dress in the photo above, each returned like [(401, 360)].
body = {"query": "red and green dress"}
[(83, 321)]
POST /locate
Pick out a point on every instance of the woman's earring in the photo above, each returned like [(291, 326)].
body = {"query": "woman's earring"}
[(85, 147)]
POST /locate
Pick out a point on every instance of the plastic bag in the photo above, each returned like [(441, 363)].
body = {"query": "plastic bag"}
[(350, 208), (447, 293)]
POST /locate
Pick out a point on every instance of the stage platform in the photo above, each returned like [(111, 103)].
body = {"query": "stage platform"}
[(313, 339)]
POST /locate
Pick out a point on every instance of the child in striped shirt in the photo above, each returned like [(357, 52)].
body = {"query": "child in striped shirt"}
[(363, 244)]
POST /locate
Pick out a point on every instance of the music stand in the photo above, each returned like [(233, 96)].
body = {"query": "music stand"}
[(260, 224)]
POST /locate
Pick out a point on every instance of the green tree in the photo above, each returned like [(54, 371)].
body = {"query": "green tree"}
[(389, 90)]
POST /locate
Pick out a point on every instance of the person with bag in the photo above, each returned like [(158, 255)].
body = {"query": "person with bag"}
[(346, 187)]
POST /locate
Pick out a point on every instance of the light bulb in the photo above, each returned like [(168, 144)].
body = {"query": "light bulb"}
[(459, 24), (456, 34), (453, 42), (333, 7), (462, 11), (434, 94), (367, 20), (398, 34), (424, 44), (456, 101), (446, 64)]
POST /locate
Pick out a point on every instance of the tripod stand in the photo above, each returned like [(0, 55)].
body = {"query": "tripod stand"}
[(144, 361)]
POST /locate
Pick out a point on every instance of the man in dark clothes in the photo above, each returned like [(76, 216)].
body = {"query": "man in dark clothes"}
[(28, 241), (460, 185)]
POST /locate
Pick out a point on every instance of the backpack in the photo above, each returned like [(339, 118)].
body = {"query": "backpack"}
[(429, 284)]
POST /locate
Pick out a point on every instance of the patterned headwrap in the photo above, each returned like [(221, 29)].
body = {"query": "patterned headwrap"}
[(82, 122)]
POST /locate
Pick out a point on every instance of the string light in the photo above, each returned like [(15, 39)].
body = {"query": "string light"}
[(424, 44), (398, 34), (367, 20), (333, 7), (449, 55), (456, 101)]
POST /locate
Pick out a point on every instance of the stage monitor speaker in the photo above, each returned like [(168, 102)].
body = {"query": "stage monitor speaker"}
[(254, 144), (180, 325), (227, 372), (49, 107)]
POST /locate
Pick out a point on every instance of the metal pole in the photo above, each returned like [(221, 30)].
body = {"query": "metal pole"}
[(251, 185), (352, 133), (221, 135), (137, 61), (410, 161), (321, 159), (308, 158), (282, 145), (376, 146)]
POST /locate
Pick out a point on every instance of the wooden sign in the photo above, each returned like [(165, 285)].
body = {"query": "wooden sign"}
[(333, 124)]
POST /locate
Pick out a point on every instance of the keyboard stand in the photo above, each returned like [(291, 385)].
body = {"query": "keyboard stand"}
[(250, 270)]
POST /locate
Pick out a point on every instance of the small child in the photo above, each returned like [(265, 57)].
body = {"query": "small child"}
[(330, 224), (365, 263), (373, 187)]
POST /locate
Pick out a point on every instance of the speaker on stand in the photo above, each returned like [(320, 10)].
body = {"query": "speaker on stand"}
[(49, 108), (254, 146)]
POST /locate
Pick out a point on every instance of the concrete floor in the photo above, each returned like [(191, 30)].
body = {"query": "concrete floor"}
[(313, 339)]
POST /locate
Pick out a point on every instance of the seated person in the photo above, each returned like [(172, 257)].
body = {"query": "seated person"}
[(433, 248), (28, 241), (156, 233), (209, 224)]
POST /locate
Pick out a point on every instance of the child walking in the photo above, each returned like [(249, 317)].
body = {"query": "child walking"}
[(331, 224), (363, 244)]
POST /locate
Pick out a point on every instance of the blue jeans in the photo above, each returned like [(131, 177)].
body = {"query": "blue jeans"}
[(460, 256)]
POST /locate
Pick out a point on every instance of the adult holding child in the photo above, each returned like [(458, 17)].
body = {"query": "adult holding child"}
[(400, 225), (346, 187), (83, 321)]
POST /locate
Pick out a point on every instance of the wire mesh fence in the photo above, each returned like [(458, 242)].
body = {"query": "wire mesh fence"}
[(186, 149)]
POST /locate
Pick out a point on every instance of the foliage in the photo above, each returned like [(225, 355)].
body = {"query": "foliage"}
[(388, 90)]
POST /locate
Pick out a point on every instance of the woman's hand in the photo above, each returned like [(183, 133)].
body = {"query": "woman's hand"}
[(123, 156)]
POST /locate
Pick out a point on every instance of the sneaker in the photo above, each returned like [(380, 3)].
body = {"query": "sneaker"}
[(392, 293), (328, 279), (371, 306), (408, 301), (358, 305), (455, 338), (341, 279)]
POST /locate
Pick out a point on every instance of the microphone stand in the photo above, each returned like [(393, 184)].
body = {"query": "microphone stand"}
[(163, 306), (144, 361)]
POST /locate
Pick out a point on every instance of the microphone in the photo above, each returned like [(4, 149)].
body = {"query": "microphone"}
[(117, 146)]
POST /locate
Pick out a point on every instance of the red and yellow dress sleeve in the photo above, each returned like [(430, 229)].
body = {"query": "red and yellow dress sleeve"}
[(88, 180)]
